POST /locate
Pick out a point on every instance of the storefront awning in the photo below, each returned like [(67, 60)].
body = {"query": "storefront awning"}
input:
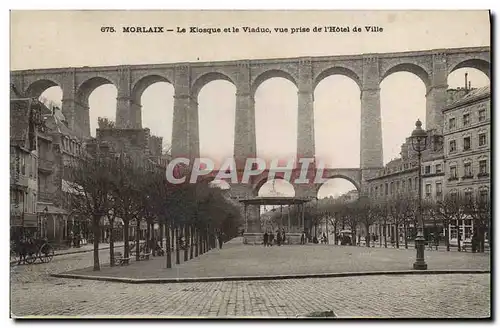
[(51, 209)]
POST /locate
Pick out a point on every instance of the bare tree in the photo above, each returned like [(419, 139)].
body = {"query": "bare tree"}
[(126, 191), (105, 123), (479, 209), (90, 179), (453, 209)]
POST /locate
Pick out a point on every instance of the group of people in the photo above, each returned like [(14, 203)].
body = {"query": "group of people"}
[(269, 238)]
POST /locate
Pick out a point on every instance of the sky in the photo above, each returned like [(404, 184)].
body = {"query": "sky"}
[(62, 39)]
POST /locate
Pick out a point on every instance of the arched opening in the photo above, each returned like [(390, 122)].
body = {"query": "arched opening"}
[(97, 96), (476, 64), (276, 104), (475, 79), (402, 102), (273, 216), (216, 119), (337, 118), (332, 196), (52, 97), (157, 111)]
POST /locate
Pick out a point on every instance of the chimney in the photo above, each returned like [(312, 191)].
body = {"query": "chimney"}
[(470, 87), (466, 81)]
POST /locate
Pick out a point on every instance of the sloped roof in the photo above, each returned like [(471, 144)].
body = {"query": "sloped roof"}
[(473, 95)]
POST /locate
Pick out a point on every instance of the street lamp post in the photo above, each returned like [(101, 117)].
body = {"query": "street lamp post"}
[(419, 144)]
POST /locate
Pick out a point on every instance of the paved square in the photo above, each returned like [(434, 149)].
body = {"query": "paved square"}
[(236, 259)]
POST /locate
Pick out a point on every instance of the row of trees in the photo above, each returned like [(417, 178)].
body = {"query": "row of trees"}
[(118, 186), (401, 212)]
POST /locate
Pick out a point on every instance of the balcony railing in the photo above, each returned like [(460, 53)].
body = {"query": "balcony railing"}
[(45, 165)]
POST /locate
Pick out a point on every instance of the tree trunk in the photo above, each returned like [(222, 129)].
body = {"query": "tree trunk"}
[(177, 253), (167, 246), (161, 234), (96, 230), (380, 235), (126, 225), (186, 237), (137, 240), (111, 244), (385, 234), (458, 236), (172, 230), (196, 241), (148, 234), (405, 233), (191, 243), (447, 235), (396, 227), (335, 233), (200, 240), (367, 236)]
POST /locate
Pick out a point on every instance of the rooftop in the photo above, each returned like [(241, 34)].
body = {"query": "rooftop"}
[(473, 95)]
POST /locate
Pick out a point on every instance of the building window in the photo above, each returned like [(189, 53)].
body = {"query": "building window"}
[(409, 184), (467, 170), (466, 119), (439, 168), (483, 168), (392, 188), (451, 123), (483, 195), (403, 185), (482, 139), (453, 146), (482, 115), (416, 183), (386, 189), (439, 189), (468, 195), (466, 143), (453, 172), (454, 196), (428, 190), (427, 169)]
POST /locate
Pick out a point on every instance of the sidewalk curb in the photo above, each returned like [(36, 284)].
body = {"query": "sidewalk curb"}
[(273, 277)]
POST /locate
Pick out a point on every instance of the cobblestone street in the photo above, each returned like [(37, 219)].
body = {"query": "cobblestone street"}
[(34, 293)]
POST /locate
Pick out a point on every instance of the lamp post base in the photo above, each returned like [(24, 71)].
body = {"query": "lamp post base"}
[(420, 246)]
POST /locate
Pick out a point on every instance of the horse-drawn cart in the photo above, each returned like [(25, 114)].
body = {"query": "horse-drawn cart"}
[(28, 251)]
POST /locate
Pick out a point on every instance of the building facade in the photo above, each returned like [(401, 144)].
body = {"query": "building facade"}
[(25, 118), (467, 152)]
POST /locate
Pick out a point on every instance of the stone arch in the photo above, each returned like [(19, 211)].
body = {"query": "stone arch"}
[(262, 181), (479, 64), (89, 85), (206, 78), (337, 70), (143, 83), (410, 68), (269, 74), (357, 184), (36, 88)]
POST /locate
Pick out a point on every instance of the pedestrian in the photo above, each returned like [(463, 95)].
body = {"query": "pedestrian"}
[(278, 238), (221, 240), (303, 238), (271, 239), (266, 236), (283, 236)]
